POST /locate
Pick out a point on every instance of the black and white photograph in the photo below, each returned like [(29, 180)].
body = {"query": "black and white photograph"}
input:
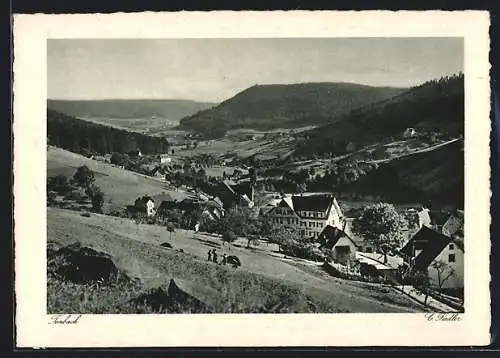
[(256, 175)]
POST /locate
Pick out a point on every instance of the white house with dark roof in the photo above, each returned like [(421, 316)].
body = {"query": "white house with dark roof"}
[(309, 213), (440, 255)]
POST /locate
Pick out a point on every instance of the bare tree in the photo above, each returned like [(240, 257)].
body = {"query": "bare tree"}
[(444, 272)]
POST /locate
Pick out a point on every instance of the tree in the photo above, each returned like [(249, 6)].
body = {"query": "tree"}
[(96, 197), (229, 236), (420, 280), (237, 172), (279, 234), (119, 159), (59, 184), (83, 177), (444, 272), (382, 226), (170, 229)]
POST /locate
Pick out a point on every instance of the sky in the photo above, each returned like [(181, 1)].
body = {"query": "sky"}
[(212, 70)]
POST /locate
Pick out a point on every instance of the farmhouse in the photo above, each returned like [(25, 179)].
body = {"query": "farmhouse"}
[(233, 194), (309, 213), (165, 159), (440, 255), (142, 205), (341, 245)]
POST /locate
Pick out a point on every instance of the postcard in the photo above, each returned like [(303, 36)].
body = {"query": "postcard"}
[(277, 178)]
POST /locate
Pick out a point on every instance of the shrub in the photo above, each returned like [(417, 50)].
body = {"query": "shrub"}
[(75, 195), (83, 177), (58, 184), (229, 236), (96, 197)]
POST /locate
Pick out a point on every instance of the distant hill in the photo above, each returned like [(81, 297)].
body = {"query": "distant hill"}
[(436, 105), (171, 109), (266, 107), (435, 175)]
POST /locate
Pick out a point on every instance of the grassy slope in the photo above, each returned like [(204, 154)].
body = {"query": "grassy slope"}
[(295, 105), (120, 187), (262, 279)]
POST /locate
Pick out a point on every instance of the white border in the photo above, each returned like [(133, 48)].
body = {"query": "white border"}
[(30, 93)]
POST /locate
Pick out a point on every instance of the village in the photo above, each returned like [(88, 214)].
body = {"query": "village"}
[(426, 262)]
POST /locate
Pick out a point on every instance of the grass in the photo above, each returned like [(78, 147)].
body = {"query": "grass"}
[(120, 187), (264, 283)]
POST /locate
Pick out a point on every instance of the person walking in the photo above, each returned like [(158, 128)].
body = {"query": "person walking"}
[(214, 255), (209, 255), (224, 258)]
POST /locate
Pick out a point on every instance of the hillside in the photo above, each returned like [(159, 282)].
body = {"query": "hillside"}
[(120, 187), (266, 107), (266, 281), (170, 109), (437, 105), (435, 175)]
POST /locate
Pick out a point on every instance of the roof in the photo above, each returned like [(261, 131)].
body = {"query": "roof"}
[(393, 262), (377, 260), (330, 235), (453, 225), (430, 242), (312, 203)]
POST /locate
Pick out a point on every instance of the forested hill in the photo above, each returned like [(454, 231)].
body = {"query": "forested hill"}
[(84, 137), (266, 107), (434, 176), (437, 105), (131, 108)]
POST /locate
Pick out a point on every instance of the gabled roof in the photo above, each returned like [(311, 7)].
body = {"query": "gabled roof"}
[(430, 242), (330, 235), (312, 203), (453, 225)]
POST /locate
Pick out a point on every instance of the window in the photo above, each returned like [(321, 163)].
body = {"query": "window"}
[(451, 247), (451, 258)]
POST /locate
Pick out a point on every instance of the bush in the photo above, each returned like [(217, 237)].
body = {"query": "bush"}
[(229, 236), (76, 195), (51, 197), (86, 214), (83, 177), (58, 184), (96, 197)]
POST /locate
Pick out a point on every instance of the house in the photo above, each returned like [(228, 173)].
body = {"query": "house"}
[(158, 172), (233, 194), (409, 133), (441, 256), (143, 205), (341, 245), (362, 244), (454, 225), (165, 159), (310, 213), (135, 153)]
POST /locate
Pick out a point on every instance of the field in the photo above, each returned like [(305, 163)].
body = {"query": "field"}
[(265, 279), (120, 187)]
